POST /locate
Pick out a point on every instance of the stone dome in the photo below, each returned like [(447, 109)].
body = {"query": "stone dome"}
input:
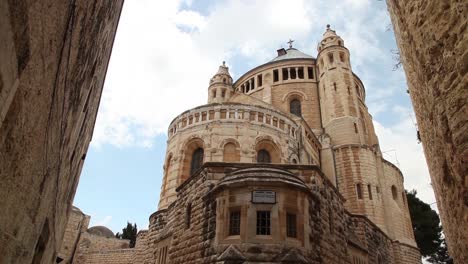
[(101, 231), (292, 53)]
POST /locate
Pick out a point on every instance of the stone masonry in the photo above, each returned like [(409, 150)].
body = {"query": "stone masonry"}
[(53, 60), (281, 166), (433, 42)]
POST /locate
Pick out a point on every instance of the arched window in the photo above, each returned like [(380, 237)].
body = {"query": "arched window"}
[(197, 160), (263, 156), (394, 192), (295, 107), (166, 174), (188, 215), (359, 191)]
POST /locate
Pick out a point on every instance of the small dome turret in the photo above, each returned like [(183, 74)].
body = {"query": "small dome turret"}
[(220, 88), (330, 38)]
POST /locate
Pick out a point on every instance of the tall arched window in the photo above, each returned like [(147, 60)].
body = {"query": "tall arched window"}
[(394, 192), (263, 156), (166, 174), (197, 160), (295, 107)]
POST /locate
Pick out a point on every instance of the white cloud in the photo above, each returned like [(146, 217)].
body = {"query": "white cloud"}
[(163, 57), (102, 222)]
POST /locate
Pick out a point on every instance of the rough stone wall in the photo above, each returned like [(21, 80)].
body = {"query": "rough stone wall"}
[(359, 165), (397, 211), (54, 56), (327, 222), (77, 224), (403, 253), (141, 247), (89, 244), (119, 256), (433, 44), (191, 242)]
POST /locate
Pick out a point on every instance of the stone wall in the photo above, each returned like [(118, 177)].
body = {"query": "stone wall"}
[(77, 223), (120, 256), (212, 126), (95, 246), (433, 44), (53, 60)]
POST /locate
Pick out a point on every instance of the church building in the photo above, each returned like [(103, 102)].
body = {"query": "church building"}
[(280, 166)]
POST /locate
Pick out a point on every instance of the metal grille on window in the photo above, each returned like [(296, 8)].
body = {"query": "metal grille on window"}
[(197, 160), (263, 156), (234, 223), (295, 107), (291, 225), (263, 223)]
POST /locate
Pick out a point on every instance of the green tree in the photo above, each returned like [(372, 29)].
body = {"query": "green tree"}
[(427, 229), (129, 232)]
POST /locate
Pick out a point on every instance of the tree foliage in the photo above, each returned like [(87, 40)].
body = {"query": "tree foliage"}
[(129, 232), (427, 230)]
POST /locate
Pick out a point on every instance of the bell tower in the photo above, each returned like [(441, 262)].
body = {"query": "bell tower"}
[(341, 97), (348, 126), (220, 88)]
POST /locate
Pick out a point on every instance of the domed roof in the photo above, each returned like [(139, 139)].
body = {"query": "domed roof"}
[(101, 231), (292, 53)]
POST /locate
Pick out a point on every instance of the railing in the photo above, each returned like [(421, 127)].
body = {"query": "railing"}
[(233, 113)]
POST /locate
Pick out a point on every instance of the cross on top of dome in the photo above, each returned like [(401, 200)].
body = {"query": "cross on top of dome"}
[(290, 42)]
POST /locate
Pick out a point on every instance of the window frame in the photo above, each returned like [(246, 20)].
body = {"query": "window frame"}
[(263, 156), (196, 161), (234, 230), (291, 225), (295, 107), (263, 229)]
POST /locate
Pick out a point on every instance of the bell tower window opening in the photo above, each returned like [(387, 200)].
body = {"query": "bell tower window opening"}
[(214, 93), (342, 57), (223, 93), (300, 73), (310, 72), (252, 81), (293, 73), (394, 193), (295, 107), (369, 190), (355, 128), (263, 223), (197, 160), (234, 223), (291, 228), (263, 156), (285, 74), (330, 58), (188, 215), (259, 80), (275, 76), (359, 191), (357, 91), (334, 85)]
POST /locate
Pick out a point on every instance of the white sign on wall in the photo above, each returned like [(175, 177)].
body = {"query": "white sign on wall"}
[(266, 197)]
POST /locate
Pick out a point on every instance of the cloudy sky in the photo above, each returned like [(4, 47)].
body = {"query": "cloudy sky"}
[(164, 54)]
